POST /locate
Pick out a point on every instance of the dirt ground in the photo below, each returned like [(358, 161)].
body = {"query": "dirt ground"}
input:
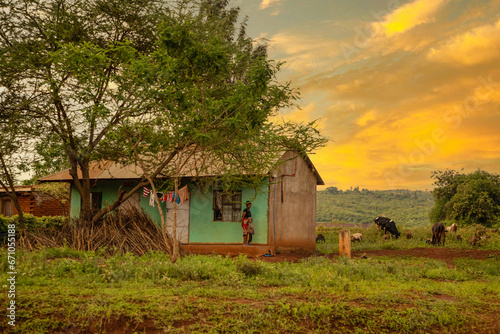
[(444, 254)]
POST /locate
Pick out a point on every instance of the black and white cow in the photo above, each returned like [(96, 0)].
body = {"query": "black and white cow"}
[(387, 225)]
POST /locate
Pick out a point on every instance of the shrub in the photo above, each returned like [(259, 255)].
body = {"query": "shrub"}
[(250, 269), (32, 222)]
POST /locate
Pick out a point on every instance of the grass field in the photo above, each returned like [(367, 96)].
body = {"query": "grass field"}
[(372, 238), (407, 207), (66, 291)]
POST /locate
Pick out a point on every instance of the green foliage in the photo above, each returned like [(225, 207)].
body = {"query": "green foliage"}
[(32, 222), (373, 239), (467, 198), (68, 75), (212, 93), (57, 190), (149, 82), (65, 289), (405, 207)]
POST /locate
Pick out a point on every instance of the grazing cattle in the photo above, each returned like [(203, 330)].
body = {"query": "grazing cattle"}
[(438, 233), (451, 228), (387, 225), (409, 235), (356, 237), (320, 237)]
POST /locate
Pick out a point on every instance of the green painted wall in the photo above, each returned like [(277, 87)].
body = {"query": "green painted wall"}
[(75, 205), (204, 229), (109, 191)]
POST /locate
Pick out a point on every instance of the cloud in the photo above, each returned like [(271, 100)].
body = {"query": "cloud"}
[(303, 115), (409, 16), (478, 45), (395, 108), (303, 52), (366, 118), (271, 3)]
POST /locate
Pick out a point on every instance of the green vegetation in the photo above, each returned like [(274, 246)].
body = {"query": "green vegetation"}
[(149, 82), (405, 207), (467, 198), (32, 222), (372, 239), (66, 290)]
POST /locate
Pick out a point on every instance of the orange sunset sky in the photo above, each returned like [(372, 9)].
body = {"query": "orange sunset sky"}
[(402, 88)]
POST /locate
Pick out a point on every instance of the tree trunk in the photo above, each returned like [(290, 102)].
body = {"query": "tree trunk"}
[(86, 209), (12, 192), (175, 253), (19, 212), (125, 195), (162, 218)]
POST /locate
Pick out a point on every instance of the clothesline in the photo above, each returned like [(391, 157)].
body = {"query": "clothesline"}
[(169, 196)]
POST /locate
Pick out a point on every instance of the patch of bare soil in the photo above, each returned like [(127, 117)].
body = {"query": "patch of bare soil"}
[(114, 325), (444, 254)]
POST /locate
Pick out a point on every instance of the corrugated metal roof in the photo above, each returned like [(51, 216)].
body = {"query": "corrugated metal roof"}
[(108, 170), (99, 170), (27, 188)]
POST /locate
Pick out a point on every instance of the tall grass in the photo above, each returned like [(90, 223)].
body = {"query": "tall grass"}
[(128, 230)]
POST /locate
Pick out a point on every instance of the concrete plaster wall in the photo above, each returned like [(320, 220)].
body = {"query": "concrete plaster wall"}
[(204, 230), (295, 200)]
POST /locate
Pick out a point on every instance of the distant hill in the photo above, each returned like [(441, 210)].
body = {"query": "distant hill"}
[(405, 207)]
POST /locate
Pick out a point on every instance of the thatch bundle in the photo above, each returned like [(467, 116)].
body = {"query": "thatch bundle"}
[(126, 230)]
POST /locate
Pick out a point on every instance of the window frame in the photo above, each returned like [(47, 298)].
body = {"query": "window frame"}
[(226, 200)]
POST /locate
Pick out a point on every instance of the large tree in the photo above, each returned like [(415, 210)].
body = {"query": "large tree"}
[(12, 160), (132, 79), (69, 63), (16, 144), (468, 198)]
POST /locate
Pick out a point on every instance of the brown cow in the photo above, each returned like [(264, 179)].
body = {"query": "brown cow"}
[(438, 233)]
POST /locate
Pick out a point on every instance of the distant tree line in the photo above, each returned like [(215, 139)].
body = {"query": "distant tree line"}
[(406, 207)]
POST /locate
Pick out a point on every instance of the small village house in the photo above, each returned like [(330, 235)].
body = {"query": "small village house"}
[(32, 201), (284, 209)]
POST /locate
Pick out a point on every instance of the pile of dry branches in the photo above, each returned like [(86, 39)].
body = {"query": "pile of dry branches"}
[(127, 230)]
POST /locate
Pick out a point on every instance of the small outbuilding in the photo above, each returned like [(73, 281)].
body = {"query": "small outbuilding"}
[(33, 201), (283, 210)]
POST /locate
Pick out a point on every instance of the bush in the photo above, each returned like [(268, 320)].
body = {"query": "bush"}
[(32, 222)]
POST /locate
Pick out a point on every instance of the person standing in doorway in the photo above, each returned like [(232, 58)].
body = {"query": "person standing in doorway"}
[(244, 221)]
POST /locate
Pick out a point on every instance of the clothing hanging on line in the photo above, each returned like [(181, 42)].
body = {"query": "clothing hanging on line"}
[(152, 199)]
